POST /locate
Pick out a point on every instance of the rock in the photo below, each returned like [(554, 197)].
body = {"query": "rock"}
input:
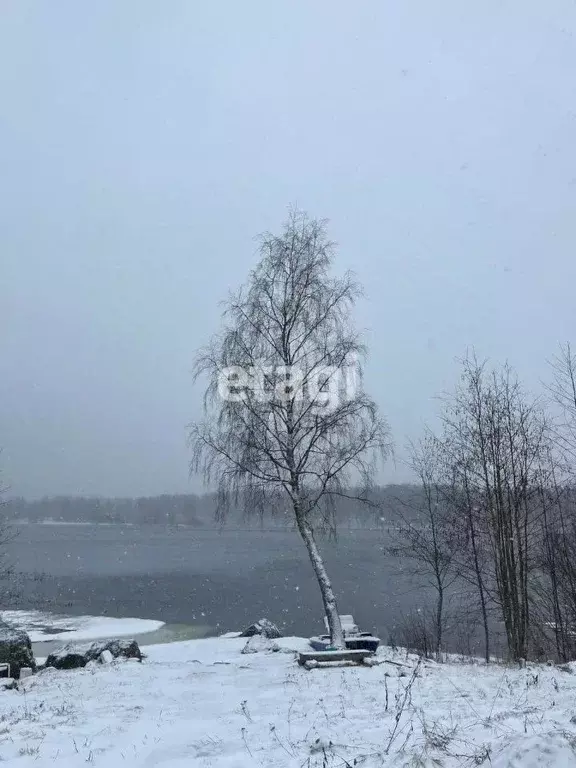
[(264, 628), (76, 656), (15, 649), (124, 649), (258, 644), (105, 657), (69, 657)]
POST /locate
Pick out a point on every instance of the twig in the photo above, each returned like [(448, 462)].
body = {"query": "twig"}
[(400, 710)]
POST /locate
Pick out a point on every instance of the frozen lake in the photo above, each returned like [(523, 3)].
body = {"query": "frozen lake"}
[(216, 581)]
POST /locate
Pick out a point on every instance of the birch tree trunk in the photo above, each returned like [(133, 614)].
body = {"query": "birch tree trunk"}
[(328, 598)]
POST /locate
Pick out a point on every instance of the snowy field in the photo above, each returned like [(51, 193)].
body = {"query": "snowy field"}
[(203, 703)]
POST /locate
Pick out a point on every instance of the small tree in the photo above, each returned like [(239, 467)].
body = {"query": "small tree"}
[(286, 420)]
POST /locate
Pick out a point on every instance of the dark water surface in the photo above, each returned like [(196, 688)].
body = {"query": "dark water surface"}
[(216, 580)]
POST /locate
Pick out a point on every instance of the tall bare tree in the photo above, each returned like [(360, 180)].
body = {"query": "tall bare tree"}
[(475, 557), (557, 592), (503, 437), (286, 419), (563, 391)]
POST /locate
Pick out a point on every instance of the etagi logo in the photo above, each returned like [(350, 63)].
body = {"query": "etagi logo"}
[(325, 387)]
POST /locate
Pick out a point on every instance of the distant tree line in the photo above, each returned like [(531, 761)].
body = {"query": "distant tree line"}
[(160, 510), (199, 510)]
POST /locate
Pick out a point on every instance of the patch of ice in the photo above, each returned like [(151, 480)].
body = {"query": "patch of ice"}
[(46, 627)]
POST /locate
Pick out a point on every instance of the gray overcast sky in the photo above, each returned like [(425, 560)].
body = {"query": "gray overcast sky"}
[(144, 144)]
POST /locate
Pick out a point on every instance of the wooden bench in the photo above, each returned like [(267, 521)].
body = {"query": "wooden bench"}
[(311, 659)]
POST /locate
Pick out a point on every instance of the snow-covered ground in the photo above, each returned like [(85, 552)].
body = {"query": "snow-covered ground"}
[(44, 627), (203, 704)]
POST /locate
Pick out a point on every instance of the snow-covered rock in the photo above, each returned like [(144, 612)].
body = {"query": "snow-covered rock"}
[(69, 657), (15, 649), (77, 656), (263, 627), (125, 649), (259, 644), (105, 657)]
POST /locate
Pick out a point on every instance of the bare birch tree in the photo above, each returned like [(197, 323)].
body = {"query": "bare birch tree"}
[(286, 419)]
